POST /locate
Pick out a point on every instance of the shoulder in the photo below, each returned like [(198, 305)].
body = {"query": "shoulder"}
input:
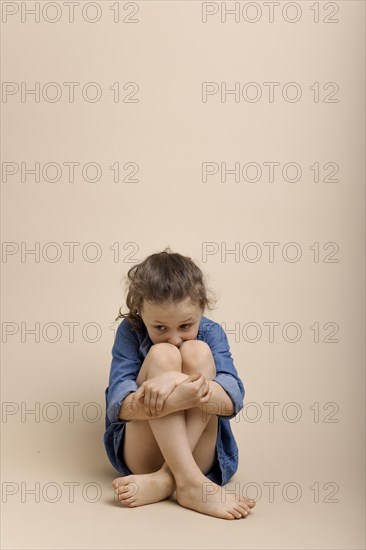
[(125, 330), (210, 330)]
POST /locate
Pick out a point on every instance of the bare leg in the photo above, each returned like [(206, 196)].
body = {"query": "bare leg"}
[(158, 483), (176, 442), (192, 487), (140, 489)]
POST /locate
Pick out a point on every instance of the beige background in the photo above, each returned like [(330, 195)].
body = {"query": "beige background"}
[(316, 463)]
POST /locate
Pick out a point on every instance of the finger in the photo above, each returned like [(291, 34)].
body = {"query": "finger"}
[(195, 376), (139, 393), (200, 384), (205, 386), (159, 404), (208, 387), (206, 397), (153, 400), (147, 402)]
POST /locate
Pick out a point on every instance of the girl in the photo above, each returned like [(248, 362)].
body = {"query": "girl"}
[(173, 389)]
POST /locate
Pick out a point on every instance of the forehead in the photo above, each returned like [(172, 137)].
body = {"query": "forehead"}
[(170, 310)]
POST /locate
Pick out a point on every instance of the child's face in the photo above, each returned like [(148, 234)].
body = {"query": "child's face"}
[(171, 323)]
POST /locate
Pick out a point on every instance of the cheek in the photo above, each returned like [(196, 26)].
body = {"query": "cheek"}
[(157, 338), (153, 338), (191, 334)]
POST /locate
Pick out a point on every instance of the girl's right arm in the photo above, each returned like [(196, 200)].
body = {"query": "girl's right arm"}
[(125, 367)]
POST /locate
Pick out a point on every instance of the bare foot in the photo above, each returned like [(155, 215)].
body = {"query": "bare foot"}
[(211, 499), (139, 489)]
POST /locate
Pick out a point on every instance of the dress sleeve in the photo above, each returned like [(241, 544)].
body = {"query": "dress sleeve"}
[(125, 367), (226, 373)]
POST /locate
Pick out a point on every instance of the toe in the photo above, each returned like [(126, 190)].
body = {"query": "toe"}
[(116, 481), (243, 510), (242, 506), (125, 496), (129, 500), (236, 514)]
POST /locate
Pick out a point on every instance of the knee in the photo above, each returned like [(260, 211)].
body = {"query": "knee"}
[(165, 356), (197, 355)]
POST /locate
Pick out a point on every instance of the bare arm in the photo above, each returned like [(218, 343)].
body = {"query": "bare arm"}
[(133, 409), (215, 402), (219, 402)]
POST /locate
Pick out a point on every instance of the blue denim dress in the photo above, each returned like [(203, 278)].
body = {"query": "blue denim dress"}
[(128, 353)]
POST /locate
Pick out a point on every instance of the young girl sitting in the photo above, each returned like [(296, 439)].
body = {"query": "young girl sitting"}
[(173, 389)]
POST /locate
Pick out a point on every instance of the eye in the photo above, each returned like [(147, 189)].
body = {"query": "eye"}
[(158, 327), (186, 326)]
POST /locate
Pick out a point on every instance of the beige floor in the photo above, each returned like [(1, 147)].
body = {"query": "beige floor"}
[(53, 460)]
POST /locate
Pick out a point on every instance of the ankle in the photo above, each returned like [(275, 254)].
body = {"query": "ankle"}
[(166, 470), (182, 482)]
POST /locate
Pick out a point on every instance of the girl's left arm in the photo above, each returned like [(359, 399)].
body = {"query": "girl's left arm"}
[(228, 392), (220, 402)]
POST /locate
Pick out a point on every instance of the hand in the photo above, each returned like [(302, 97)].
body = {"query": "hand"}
[(191, 392), (153, 393)]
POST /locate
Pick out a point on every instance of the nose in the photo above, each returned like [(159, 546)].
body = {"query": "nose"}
[(175, 340)]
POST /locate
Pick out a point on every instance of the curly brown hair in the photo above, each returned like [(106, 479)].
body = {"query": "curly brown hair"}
[(164, 277)]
